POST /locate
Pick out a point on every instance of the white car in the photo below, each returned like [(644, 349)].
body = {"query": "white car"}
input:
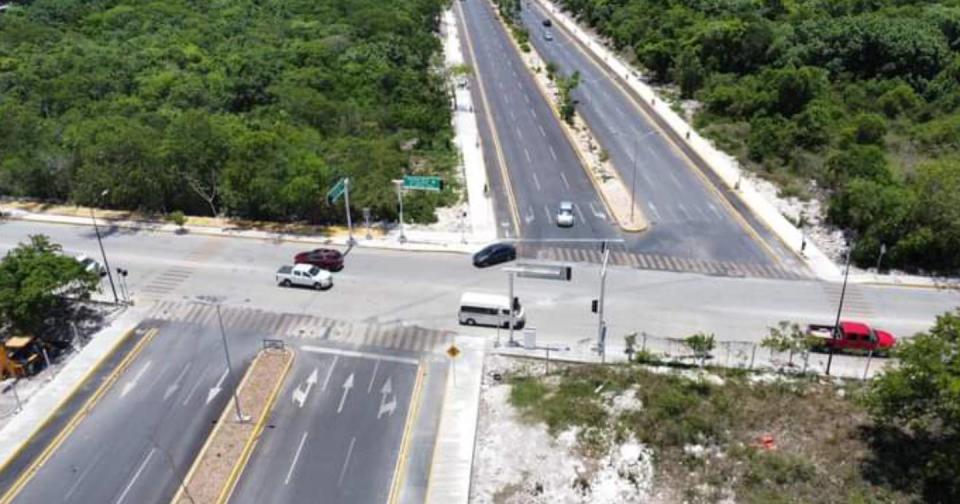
[(306, 275), (565, 214), (92, 265)]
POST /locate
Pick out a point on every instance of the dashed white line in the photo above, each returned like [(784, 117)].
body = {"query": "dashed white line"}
[(135, 476), (296, 457), (653, 208), (512, 116), (577, 208), (376, 366), (326, 381), (533, 113), (553, 153), (536, 181), (542, 133), (546, 211), (563, 177), (346, 462), (519, 135), (525, 97)]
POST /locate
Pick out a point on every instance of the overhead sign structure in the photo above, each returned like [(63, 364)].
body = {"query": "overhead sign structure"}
[(422, 183), (542, 271), (336, 191)]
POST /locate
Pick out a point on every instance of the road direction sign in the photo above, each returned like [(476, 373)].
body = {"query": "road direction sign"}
[(453, 351), (336, 191), (419, 183)]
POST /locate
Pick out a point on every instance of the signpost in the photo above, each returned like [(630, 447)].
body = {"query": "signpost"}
[(366, 220), (453, 352), (559, 272), (342, 188)]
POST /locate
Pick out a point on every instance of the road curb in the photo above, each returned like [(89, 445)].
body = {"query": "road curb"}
[(398, 471), (27, 474), (630, 228), (254, 436)]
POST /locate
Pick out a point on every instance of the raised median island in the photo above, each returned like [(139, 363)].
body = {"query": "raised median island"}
[(217, 468)]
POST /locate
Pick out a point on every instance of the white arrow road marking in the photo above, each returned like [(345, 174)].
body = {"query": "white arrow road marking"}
[(296, 457), (300, 396), (529, 217), (597, 214), (176, 383), (347, 385), (127, 387), (387, 407), (218, 387)]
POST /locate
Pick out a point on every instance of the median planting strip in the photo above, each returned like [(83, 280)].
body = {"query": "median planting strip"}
[(613, 192), (217, 469)]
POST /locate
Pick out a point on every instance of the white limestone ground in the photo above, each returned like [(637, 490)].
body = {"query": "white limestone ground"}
[(519, 462)]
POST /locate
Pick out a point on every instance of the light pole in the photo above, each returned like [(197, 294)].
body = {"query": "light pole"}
[(883, 250), (106, 264), (633, 183), (399, 184), (601, 325), (215, 301), (836, 325)]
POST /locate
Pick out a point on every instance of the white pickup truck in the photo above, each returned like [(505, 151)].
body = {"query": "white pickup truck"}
[(306, 275)]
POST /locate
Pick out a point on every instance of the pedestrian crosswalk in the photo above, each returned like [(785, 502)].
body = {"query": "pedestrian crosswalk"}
[(289, 326), (669, 263), (171, 278)]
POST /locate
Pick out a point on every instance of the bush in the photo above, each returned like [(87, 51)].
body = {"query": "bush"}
[(178, 218), (870, 129)]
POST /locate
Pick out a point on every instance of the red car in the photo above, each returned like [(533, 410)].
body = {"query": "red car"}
[(853, 336), (328, 259)]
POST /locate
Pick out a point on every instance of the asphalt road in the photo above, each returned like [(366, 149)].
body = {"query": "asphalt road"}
[(335, 431), (543, 168), (395, 288), (143, 434)]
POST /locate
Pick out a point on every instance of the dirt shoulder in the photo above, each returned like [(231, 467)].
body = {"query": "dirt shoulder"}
[(219, 464)]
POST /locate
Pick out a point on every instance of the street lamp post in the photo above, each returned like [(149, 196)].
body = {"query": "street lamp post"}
[(399, 184), (633, 184), (883, 250), (836, 325), (103, 253), (212, 300)]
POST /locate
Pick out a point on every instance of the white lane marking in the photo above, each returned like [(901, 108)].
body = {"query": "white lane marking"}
[(715, 211), (653, 208), (683, 211), (533, 113), (542, 133), (529, 160), (376, 366), (135, 476), (326, 381), (512, 116), (176, 383), (506, 99), (525, 97), (127, 387), (552, 153), (597, 214), (519, 135), (536, 181), (529, 217), (296, 457), (519, 86), (577, 208), (500, 85), (546, 211), (564, 179), (362, 355), (83, 474), (346, 461), (193, 389)]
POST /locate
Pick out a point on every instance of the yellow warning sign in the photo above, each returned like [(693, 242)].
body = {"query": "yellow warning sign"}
[(453, 351)]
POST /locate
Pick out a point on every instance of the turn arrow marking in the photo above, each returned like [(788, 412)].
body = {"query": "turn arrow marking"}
[(300, 396), (218, 387), (387, 407)]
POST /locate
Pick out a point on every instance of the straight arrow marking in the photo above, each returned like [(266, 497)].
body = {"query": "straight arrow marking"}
[(218, 387), (387, 407), (133, 382), (300, 396), (176, 383), (347, 385)]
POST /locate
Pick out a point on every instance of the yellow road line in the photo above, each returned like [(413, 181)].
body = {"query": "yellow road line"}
[(400, 467), (504, 172), (81, 413), (641, 106), (255, 435)]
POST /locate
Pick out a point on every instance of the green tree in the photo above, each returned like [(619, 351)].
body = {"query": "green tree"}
[(35, 280), (701, 344), (921, 397), (565, 87)]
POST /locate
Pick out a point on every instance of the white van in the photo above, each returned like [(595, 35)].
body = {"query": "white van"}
[(490, 310)]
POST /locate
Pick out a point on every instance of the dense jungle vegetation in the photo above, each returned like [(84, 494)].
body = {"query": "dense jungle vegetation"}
[(245, 108), (861, 96)]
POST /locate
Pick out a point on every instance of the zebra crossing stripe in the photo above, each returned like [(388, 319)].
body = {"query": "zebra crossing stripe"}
[(642, 261)]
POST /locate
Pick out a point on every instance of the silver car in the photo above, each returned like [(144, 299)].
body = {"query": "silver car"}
[(565, 214)]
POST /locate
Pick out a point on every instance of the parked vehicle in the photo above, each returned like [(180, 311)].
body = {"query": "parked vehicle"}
[(494, 254), (304, 275), (328, 259), (92, 265), (547, 35), (852, 336), (490, 310), (565, 214)]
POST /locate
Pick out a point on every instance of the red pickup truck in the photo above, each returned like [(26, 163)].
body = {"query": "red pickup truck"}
[(855, 336)]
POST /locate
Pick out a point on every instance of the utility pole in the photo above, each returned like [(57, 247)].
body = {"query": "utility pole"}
[(346, 204), (836, 325), (883, 250), (103, 253), (601, 325), (510, 302), (399, 184)]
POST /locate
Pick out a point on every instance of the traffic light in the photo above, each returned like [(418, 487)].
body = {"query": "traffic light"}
[(595, 306), (516, 303), (568, 273)]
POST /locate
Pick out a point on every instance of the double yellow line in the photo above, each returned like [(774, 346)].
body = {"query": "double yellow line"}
[(78, 417), (399, 469)]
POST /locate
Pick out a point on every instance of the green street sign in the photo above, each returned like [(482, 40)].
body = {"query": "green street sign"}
[(417, 183), (336, 191)]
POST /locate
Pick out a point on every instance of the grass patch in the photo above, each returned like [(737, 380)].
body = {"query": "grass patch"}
[(706, 437)]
